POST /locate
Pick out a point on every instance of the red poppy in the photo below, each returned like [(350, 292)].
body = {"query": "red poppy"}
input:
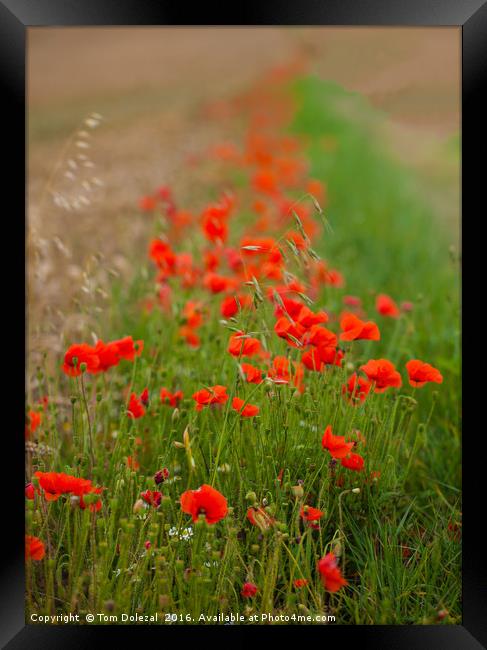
[(291, 332), (260, 518), (241, 345), (357, 388), (128, 348), (77, 354), (321, 337), (386, 306), (172, 399), (30, 491), (252, 375), (215, 228), (193, 314), (144, 397), (420, 373), (108, 356), (279, 373), (218, 283), (330, 573), (135, 407), (233, 304), (55, 484), (161, 475), (249, 590), (300, 583), (354, 328), (147, 203), (34, 418), (133, 463), (383, 373), (247, 411), (318, 358), (265, 181), (162, 255), (212, 395), (204, 501), (354, 462), (34, 548), (352, 301), (289, 307), (152, 498), (190, 336), (336, 445), (310, 514)]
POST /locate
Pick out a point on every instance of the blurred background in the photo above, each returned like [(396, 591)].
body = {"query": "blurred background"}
[(148, 93)]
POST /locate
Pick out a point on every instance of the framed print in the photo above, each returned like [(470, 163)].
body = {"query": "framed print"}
[(244, 323)]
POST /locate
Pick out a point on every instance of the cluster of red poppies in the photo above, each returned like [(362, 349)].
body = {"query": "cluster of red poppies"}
[(82, 357)]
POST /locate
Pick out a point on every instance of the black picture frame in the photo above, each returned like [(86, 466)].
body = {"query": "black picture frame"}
[(15, 17)]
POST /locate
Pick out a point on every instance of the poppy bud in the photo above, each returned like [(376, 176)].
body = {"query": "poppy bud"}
[(297, 491), (251, 496), (139, 506), (175, 415), (83, 366)]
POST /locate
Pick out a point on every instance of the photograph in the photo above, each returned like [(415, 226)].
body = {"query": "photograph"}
[(243, 326)]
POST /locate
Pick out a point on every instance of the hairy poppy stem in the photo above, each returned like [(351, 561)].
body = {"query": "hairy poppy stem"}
[(90, 433)]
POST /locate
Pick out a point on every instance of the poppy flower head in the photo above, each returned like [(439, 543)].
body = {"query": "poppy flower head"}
[(353, 328), (209, 396), (318, 358), (34, 421), (356, 389), (300, 583), (279, 372), (172, 399), (249, 590), (108, 356), (420, 373), (252, 374), (247, 411), (336, 445), (204, 501), (331, 575), (34, 548), (241, 345), (233, 304), (320, 337), (354, 462), (310, 514), (135, 408), (291, 332), (383, 374), (152, 498), (386, 306), (128, 349), (77, 354)]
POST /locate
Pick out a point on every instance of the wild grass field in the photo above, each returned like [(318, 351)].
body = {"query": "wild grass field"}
[(264, 420)]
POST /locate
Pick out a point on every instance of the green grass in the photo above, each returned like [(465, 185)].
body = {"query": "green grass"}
[(384, 238)]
